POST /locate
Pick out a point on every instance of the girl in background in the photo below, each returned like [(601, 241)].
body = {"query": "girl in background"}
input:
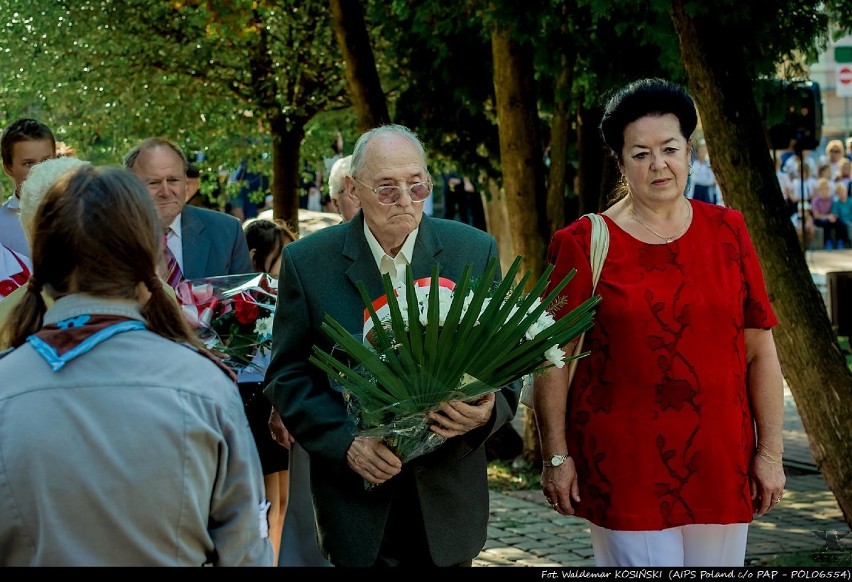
[(265, 240)]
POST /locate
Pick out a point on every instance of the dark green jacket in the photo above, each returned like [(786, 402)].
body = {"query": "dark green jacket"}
[(319, 276)]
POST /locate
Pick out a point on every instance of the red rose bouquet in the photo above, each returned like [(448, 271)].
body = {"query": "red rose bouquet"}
[(233, 315)]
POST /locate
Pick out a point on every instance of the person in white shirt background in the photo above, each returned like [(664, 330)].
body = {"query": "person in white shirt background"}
[(704, 187), (24, 143)]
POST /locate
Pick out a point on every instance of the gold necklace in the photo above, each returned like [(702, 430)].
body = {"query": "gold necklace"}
[(666, 239)]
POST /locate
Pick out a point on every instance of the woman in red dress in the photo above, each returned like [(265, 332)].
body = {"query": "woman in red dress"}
[(672, 441)]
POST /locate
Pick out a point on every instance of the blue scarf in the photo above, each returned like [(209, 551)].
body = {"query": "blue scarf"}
[(61, 342)]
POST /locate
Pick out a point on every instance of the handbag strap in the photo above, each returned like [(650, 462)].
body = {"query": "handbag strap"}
[(598, 250), (599, 247)]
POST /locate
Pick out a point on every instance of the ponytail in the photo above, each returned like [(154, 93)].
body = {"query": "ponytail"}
[(163, 315), (26, 318)]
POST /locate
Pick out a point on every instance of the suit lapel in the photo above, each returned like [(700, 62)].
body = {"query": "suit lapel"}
[(426, 249), (362, 266), (196, 248)]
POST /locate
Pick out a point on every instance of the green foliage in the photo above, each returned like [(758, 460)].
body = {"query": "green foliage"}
[(321, 132), (211, 74), (846, 348), (207, 74), (515, 475), (441, 84), (758, 27)]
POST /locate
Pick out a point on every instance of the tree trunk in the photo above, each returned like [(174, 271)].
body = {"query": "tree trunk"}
[(497, 223), (811, 359), (523, 171), (559, 173), (560, 134), (286, 143), (365, 89), (520, 149), (593, 180)]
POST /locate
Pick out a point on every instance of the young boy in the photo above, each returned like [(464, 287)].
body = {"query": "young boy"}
[(24, 143)]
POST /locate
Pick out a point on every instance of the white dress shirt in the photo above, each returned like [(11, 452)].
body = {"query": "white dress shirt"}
[(175, 241), (11, 230), (395, 266)]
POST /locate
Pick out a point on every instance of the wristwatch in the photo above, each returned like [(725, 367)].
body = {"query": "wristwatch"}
[(556, 460)]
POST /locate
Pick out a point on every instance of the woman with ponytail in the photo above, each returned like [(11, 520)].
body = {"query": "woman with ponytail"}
[(108, 392), (32, 192)]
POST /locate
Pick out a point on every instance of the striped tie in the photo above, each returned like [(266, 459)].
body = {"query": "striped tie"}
[(173, 274)]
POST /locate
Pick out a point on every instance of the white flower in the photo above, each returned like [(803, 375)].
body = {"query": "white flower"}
[(534, 306), (544, 321), (466, 304), (555, 356), (512, 312), (263, 326), (485, 305), (402, 301), (445, 299), (403, 307)]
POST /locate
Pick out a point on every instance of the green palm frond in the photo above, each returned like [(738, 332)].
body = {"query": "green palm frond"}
[(408, 368)]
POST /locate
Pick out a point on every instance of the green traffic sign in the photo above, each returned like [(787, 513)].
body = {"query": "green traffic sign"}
[(843, 54)]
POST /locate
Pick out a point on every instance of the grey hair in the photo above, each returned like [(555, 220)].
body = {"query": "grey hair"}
[(149, 144), (335, 177), (357, 162), (41, 177)]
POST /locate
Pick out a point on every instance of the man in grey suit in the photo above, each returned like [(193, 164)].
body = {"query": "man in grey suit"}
[(205, 243), (432, 511)]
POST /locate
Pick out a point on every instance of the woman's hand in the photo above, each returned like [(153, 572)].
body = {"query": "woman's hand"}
[(279, 432), (561, 487), (767, 483)]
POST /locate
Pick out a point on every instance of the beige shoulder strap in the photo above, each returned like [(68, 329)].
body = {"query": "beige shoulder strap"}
[(599, 246)]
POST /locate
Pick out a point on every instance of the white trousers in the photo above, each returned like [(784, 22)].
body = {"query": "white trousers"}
[(699, 546)]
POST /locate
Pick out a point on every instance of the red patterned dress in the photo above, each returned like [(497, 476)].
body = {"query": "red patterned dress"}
[(659, 422)]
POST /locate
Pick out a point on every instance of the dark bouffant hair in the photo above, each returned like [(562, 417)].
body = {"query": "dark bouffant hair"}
[(641, 98), (96, 232)]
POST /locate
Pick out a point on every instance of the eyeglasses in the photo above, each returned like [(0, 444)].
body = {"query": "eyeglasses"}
[(390, 195), (835, 151)]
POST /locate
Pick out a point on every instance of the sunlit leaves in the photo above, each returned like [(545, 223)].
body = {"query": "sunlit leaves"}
[(206, 73)]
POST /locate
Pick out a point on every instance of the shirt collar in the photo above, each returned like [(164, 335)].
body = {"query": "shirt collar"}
[(13, 203), (81, 303), (407, 250), (175, 226)]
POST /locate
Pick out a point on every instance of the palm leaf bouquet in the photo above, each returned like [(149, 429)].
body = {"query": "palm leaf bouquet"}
[(445, 341)]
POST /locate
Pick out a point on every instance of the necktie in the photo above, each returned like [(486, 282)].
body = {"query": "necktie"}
[(173, 273)]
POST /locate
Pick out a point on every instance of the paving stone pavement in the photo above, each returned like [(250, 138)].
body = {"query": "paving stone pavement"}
[(524, 531)]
